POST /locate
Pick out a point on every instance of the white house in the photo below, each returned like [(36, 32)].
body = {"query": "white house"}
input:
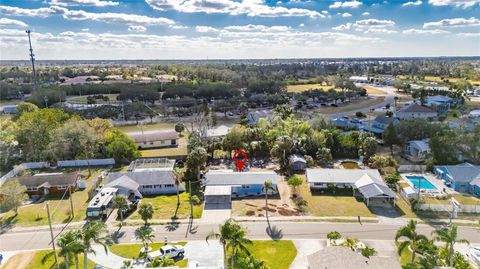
[(155, 139), (415, 111), (416, 150), (147, 182)]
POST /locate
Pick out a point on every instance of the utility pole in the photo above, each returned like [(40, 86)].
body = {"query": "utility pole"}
[(51, 233), (71, 201), (32, 59)]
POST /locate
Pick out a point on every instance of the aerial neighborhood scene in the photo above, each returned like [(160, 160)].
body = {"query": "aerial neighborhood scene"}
[(240, 134)]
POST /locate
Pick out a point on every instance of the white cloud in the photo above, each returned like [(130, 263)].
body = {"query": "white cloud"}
[(97, 3), (137, 28), (424, 32), (205, 29), (346, 4), (68, 14), (455, 3), (343, 27), (346, 15), (302, 25), (469, 34), (411, 3), (249, 7), (85, 30), (256, 28), (368, 26), (456, 22), (366, 13), (6, 21)]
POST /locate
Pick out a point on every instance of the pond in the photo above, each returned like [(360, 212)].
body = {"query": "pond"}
[(350, 165)]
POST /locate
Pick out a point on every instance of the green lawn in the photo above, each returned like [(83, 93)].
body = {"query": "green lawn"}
[(329, 204), (165, 205), (466, 199), (180, 150), (405, 256), (35, 214), (131, 251), (36, 261), (148, 127), (277, 254), (306, 87)]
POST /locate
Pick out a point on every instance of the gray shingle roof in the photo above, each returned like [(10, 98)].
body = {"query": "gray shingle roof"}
[(51, 179), (147, 177), (384, 119), (463, 172), (344, 258), (417, 108), (239, 178), (340, 175), (375, 189)]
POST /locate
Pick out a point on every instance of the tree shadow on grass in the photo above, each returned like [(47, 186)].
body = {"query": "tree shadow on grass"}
[(7, 223)]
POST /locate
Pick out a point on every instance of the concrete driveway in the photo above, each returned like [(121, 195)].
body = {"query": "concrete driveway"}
[(305, 248), (215, 215), (202, 254)]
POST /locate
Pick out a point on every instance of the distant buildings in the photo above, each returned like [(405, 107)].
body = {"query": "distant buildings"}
[(440, 103), (379, 124), (155, 139)]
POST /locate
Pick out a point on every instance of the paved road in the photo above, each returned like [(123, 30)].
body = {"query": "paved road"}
[(389, 99), (256, 230)]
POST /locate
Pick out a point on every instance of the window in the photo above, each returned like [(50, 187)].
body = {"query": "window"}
[(318, 184), (61, 187), (147, 186), (157, 186), (162, 142), (245, 186), (151, 142), (168, 185), (32, 189)]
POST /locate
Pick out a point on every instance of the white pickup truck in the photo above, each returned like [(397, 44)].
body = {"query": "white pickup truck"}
[(170, 251)]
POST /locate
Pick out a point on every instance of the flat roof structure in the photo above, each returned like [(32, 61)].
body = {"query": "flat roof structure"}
[(239, 178)]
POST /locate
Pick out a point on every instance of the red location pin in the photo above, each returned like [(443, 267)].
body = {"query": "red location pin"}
[(240, 163)]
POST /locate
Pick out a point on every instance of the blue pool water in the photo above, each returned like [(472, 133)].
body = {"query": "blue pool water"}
[(424, 183)]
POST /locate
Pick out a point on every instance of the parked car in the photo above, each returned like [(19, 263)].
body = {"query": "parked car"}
[(170, 251), (334, 105)]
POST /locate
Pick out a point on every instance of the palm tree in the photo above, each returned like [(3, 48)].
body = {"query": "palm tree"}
[(414, 239), (144, 234), (96, 232), (350, 243), (267, 185), (177, 176), (334, 235), (70, 244), (251, 263), (120, 202), (367, 252), (450, 238), (231, 235), (146, 212)]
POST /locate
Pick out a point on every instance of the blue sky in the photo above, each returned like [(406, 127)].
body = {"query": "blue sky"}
[(200, 29)]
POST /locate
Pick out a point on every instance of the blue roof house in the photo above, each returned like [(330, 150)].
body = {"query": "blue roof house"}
[(242, 183), (379, 124), (440, 103), (463, 177)]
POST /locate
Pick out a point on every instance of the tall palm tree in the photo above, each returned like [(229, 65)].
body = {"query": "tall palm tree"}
[(267, 185), (120, 203), (231, 235), (144, 234), (450, 238), (70, 244), (177, 176), (94, 232), (414, 239)]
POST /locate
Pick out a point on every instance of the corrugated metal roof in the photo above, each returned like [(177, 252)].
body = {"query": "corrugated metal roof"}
[(416, 108), (153, 136), (239, 178), (147, 177)]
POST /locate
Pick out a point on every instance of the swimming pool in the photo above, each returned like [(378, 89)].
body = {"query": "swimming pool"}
[(422, 181)]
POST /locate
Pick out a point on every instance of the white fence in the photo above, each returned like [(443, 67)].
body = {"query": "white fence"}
[(448, 208), (70, 163), (412, 168)]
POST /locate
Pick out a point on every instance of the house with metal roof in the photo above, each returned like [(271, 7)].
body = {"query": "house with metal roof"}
[(366, 182), (379, 124), (242, 183), (345, 258), (155, 139), (416, 111), (440, 103), (463, 177), (297, 163), (416, 150), (146, 182)]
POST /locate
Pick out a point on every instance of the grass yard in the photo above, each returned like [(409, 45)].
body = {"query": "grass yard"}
[(405, 256), (35, 214), (131, 251), (374, 90), (165, 205), (438, 79), (277, 254), (36, 261), (466, 199), (10, 102), (305, 87), (148, 127), (329, 204), (83, 99), (352, 106)]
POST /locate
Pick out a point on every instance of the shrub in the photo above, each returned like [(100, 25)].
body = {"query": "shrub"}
[(360, 114), (310, 161), (196, 200)]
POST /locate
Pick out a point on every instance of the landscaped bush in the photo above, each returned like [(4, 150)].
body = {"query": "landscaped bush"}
[(360, 114)]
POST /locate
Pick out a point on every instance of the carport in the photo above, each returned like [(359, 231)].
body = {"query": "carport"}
[(371, 188), (218, 197)]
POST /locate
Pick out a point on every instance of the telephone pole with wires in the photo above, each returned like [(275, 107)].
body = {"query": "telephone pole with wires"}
[(32, 59)]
